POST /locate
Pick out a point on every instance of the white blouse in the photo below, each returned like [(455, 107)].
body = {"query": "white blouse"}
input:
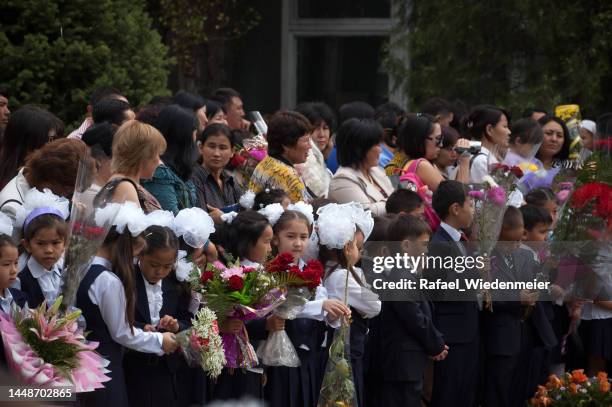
[(361, 298), (48, 280), (155, 299), (480, 165), (108, 294)]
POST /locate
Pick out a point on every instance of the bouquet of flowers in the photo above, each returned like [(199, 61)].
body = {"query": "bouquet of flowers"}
[(574, 389), (45, 349), (490, 208), (85, 238), (201, 344), (240, 292), (246, 158), (278, 350), (338, 388)]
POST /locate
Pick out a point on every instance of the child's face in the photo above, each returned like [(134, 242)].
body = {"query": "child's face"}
[(8, 266), (46, 246), (418, 212), (511, 238), (354, 247), (552, 207), (416, 247), (259, 252), (158, 264), (293, 238), (465, 213), (537, 234)]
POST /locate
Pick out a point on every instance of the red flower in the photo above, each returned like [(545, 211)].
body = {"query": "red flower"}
[(518, 173), (313, 272), (603, 144), (592, 191), (235, 283), (280, 263), (206, 276), (246, 270), (237, 160), (499, 167), (293, 269)]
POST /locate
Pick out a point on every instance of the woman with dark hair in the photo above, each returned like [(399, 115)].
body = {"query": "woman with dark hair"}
[(195, 103), (28, 129), (314, 171), (452, 164), (489, 125), (215, 186), (556, 143), (288, 144), (54, 166), (171, 183), (359, 178), (418, 143), (525, 140), (215, 112)]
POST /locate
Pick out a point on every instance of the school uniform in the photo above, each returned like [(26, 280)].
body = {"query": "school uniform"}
[(456, 315), (101, 298), (11, 296), (40, 284), (151, 380), (300, 386), (364, 305), (234, 384), (511, 332), (408, 339)]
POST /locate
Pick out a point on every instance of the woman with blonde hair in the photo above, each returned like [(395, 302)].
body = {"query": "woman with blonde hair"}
[(137, 148)]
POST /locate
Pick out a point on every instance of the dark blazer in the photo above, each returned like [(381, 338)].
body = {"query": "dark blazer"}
[(458, 321), (502, 327), (31, 288)]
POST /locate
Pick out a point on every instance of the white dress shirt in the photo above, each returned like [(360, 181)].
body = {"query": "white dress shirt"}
[(108, 294), (155, 299), (361, 298), (48, 280), (6, 301), (480, 165)]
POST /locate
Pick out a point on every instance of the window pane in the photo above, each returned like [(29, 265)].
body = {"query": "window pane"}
[(344, 9), (337, 70)]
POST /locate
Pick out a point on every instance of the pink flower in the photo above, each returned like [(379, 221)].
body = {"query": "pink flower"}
[(234, 271), (258, 154), (476, 194), (219, 265), (497, 195), (563, 195)]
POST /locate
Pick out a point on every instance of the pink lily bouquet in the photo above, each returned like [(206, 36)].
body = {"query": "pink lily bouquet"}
[(239, 292), (48, 350)]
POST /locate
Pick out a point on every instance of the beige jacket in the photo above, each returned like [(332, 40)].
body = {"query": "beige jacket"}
[(350, 185)]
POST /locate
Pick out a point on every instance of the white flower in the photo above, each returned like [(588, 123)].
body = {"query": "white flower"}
[(487, 179), (273, 212), (194, 225), (6, 225), (247, 200), (515, 199), (304, 208)]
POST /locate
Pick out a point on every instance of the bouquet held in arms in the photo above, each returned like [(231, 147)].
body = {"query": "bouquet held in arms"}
[(201, 344), (246, 158), (338, 388), (278, 350), (86, 235), (48, 350), (238, 292)]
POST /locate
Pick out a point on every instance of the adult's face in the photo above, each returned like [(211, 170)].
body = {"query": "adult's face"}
[(500, 133), (219, 117), (432, 143), (553, 140), (446, 156), (5, 113), (235, 113), (321, 135), (216, 152), (372, 156), (299, 152)]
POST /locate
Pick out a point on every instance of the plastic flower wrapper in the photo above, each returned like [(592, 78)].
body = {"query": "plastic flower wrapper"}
[(45, 349), (246, 158), (277, 349), (86, 235), (202, 345), (338, 388), (240, 292)]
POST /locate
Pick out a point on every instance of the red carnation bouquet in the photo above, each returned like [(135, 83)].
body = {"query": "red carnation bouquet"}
[(301, 284), (241, 292)]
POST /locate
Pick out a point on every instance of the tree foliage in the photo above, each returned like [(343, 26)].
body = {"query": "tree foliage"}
[(54, 53), (514, 53)]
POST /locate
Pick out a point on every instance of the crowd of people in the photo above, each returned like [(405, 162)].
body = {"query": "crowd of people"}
[(410, 171)]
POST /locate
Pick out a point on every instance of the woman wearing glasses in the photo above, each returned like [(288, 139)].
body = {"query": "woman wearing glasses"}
[(452, 164), (489, 125)]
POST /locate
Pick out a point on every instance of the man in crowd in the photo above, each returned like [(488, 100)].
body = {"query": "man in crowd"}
[(234, 108)]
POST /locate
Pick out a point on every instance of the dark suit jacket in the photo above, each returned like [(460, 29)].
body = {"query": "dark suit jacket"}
[(457, 320), (503, 326)]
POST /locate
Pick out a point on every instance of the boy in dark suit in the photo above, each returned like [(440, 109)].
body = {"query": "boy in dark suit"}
[(409, 336), (456, 315)]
